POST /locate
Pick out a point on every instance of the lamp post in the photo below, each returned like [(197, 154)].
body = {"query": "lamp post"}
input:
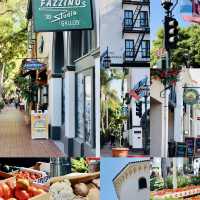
[(167, 4)]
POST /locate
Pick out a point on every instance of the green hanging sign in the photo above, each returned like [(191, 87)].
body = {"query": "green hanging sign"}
[(62, 15), (190, 96)]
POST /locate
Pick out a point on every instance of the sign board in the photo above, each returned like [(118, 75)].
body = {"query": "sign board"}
[(190, 96), (39, 125), (136, 137), (197, 146), (172, 149), (180, 149), (190, 146), (59, 15), (33, 64)]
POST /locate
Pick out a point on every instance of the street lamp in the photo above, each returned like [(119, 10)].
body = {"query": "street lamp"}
[(166, 4)]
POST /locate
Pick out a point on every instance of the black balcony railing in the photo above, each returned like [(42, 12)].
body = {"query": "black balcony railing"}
[(136, 2), (135, 26), (131, 55)]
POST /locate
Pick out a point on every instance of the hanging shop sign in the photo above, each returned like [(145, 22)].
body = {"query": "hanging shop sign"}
[(190, 142), (33, 64), (180, 149), (39, 125), (197, 147), (51, 15), (190, 96)]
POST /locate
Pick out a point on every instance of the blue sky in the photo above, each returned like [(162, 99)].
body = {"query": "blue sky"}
[(109, 169), (157, 16)]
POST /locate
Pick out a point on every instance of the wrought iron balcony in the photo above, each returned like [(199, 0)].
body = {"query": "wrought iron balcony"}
[(136, 2), (131, 55), (135, 26)]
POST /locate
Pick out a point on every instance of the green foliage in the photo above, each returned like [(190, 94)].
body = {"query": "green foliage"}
[(182, 181), (13, 41), (195, 180), (1, 105), (188, 47), (79, 165), (26, 86), (156, 183)]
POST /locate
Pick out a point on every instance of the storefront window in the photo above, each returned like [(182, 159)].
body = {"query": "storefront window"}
[(88, 109), (80, 105), (85, 106)]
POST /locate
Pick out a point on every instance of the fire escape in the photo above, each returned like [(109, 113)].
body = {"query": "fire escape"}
[(140, 27)]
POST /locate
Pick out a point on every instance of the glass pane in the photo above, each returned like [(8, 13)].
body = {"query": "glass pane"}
[(88, 109), (80, 105)]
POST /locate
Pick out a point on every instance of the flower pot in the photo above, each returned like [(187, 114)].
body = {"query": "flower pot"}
[(120, 152)]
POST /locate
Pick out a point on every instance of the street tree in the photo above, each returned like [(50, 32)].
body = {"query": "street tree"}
[(187, 52), (13, 45)]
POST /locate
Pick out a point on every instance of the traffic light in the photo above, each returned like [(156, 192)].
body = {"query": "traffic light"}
[(139, 109), (171, 33)]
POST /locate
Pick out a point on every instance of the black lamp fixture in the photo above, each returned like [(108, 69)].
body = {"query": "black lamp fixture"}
[(167, 4)]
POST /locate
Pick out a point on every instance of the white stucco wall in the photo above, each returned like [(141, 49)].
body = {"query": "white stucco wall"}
[(112, 15), (55, 95), (69, 104), (127, 181), (130, 188)]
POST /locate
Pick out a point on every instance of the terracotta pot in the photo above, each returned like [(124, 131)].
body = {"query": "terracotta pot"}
[(120, 152)]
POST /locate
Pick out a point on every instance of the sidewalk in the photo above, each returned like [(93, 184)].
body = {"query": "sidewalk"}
[(15, 138)]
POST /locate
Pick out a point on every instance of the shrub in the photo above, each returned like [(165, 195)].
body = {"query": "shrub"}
[(156, 183), (1, 105)]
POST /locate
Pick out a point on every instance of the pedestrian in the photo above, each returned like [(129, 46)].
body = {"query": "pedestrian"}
[(16, 103)]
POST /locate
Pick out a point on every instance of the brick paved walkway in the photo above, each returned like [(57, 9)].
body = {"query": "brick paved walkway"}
[(15, 138)]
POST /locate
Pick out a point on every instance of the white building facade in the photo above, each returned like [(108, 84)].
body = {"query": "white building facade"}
[(181, 118), (74, 88), (125, 37), (133, 181)]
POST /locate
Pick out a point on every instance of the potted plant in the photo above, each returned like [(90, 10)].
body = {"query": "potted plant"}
[(120, 150)]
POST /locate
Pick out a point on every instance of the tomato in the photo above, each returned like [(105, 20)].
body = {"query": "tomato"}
[(1, 191), (22, 184), (32, 191), (1, 198), (6, 191), (39, 191), (22, 194)]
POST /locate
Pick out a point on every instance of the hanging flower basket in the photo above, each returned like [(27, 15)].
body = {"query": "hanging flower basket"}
[(167, 77)]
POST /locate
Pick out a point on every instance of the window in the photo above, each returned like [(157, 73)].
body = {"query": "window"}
[(145, 48), (85, 110), (129, 48), (142, 183), (144, 19), (128, 18)]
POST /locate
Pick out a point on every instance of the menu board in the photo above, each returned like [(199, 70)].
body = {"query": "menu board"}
[(197, 147), (39, 125), (190, 146), (172, 149), (180, 149)]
